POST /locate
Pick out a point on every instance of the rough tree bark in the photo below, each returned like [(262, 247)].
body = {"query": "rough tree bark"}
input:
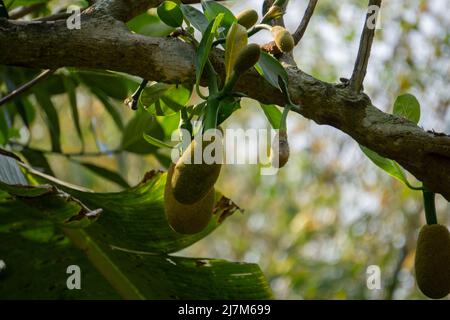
[(104, 42)]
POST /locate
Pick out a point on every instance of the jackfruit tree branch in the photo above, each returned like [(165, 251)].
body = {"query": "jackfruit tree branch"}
[(105, 43), (365, 45), (298, 34)]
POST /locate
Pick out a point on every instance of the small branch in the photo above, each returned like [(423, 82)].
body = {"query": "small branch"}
[(68, 154), (15, 93), (365, 46), (298, 34), (23, 11)]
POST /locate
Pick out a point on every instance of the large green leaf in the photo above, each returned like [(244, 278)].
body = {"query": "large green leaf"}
[(37, 254), (127, 245), (407, 106)]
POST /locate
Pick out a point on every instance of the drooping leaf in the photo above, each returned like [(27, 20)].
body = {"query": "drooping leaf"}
[(70, 88), (273, 114), (236, 40), (170, 13), (271, 69), (391, 167), (407, 106), (10, 172), (204, 47), (106, 173), (195, 17)]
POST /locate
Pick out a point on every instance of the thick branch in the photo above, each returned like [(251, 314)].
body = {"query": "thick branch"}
[(107, 44), (365, 45), (298, 34)]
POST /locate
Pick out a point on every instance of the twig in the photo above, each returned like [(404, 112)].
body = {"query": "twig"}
[(54, 17), (68, 154), (23, 11), (365, 46), (15, 93), (298, 34)]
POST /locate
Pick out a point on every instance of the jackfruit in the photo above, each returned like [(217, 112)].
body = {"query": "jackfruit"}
[(283, 39), (247, 18), (247, 58)]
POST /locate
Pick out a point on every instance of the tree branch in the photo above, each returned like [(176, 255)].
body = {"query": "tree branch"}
[(298, 34), (108, 44), (365, 46)]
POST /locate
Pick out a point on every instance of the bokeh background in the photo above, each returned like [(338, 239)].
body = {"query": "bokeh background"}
[(330, 213)]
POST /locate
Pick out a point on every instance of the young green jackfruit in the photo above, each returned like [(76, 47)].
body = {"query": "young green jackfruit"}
[(191, 181), (247, 58), (187, 219), (247, 18), (279, 151), (283, 39), (432, 262)]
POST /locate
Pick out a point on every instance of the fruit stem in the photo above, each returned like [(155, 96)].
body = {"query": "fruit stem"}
[(429, 205)]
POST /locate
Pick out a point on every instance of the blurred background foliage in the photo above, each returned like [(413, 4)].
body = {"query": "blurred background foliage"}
[(330, 213)]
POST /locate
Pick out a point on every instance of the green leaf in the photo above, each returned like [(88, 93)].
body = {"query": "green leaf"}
[(195, 17), (391, 167), (133, 140), (128, 245), (271, 69), (205, 47), (51, 119), (236, 40), (407, 106), (273, 114), (170, 13), (162, 99), (149, 24), (48, 201), (106, 173), (70, 86), (110, 108), (213, 10)]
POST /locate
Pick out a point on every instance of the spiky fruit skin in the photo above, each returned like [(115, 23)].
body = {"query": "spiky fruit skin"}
[(247, 58), (280, 149), (187, 219), (432, 261), (191, 182), (247, 18), (283, 39)]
